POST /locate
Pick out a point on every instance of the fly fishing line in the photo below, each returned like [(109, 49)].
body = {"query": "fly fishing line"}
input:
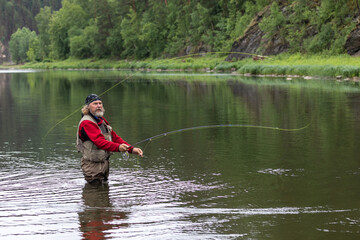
[(115, 85), (125, 155)]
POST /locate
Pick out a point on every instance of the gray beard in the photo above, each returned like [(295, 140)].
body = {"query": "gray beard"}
[(99, 113)]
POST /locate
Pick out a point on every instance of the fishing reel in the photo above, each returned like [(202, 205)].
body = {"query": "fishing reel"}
[(124, 155)]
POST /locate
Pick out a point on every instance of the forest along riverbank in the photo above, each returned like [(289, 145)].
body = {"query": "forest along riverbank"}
[(341, 67)]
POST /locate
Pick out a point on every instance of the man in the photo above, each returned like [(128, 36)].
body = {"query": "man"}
[(96, 141)]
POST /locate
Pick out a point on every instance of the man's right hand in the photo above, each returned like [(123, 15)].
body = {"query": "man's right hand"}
[(123, 147)]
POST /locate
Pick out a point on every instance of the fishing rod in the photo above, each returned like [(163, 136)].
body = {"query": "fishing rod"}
[(125, 155), (78, 110), (115, 85)]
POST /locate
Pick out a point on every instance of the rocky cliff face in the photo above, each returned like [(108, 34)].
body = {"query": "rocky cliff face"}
[(254, 43), (253, 40), (352, 44), (249, 42)]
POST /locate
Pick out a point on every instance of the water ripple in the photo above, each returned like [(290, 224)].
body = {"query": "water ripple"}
[(48, 198)]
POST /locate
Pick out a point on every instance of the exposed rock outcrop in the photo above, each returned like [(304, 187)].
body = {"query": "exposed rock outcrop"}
[(4, 55), (352, 44), (253, 41)]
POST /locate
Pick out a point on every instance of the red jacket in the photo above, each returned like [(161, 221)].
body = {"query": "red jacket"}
[(89, 131)]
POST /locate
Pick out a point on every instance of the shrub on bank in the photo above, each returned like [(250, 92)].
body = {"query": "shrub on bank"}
[(226, 66)]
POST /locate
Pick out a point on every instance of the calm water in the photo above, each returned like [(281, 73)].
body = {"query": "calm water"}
[(212, 183)]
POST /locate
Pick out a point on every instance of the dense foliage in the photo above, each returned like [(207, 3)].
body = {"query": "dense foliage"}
[(15, 14), (141, 29), (22, 45)]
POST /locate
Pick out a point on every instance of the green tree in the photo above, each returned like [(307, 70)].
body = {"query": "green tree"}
[(104, 25), (200, 23), (153, 28), (333, 10), (297, 25), (33, 54), (115, 42), (63, 25), (82, 45), (272, 24), (15, 14), (19, 44), (323, 40), (43, 21), (177, 22), (244, 14), (130, 32)]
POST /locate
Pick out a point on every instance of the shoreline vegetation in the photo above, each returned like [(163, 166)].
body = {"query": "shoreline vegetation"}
[(341, 67)]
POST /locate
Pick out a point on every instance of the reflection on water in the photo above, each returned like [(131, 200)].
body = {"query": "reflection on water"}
[(98, 215), (218, 183)]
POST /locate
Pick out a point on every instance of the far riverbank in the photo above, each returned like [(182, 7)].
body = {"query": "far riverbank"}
[(340, 67)]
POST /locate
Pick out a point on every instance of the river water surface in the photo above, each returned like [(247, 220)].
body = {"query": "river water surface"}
[(239, 182)]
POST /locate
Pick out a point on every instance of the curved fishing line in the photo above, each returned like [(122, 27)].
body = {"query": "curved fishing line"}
[(220, 126), (189, 55), (77, 110), (165, 61), (206, 53)]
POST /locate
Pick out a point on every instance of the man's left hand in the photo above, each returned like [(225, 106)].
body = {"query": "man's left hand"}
[(137, 151)]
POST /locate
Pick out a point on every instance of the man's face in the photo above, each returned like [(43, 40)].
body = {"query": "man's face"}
[(96, 108)]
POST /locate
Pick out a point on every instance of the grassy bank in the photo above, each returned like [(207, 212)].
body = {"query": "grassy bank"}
[(343, 66)]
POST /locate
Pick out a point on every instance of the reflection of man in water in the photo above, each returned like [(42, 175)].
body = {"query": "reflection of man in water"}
[(98, 214), (96, 141)]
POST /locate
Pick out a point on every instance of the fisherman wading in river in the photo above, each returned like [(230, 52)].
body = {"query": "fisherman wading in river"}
[(96, 141)]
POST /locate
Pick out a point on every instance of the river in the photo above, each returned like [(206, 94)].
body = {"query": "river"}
[(287, 168)]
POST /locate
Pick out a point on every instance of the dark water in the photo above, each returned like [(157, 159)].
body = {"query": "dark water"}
[(212, 183)]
